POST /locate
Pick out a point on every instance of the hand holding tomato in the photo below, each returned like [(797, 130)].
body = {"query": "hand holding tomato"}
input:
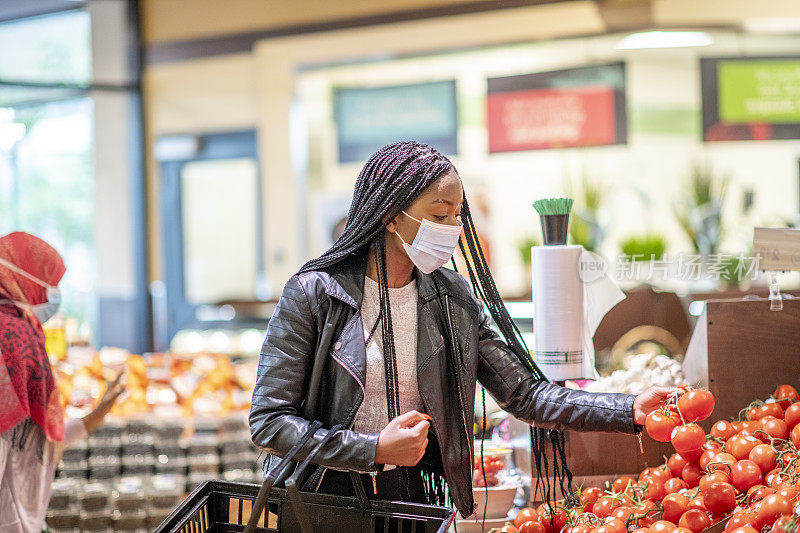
[(649, 401)]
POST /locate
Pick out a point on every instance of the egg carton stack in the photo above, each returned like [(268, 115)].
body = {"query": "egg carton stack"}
[(130, 476)]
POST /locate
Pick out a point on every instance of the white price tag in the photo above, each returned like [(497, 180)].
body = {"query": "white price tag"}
[(778, 248)]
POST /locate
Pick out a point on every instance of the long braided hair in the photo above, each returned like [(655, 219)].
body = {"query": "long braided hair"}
[(389, 182)]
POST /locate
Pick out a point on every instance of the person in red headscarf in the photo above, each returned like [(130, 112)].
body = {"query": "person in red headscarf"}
[(32, 427)]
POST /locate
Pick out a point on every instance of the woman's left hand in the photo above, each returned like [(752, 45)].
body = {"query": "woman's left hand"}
[(94, 419), (648, 401)]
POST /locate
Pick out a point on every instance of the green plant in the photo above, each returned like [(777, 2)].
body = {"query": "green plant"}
[(524, 248), (699, 213), (585, 228), (644, 248)]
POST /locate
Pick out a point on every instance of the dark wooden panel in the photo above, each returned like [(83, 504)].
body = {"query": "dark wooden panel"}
[(750, 350)]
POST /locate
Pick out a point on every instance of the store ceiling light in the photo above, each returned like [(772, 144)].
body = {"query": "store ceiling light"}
[(664, 39)]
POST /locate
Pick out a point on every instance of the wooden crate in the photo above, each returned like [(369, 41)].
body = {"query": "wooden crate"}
[(741, 350)]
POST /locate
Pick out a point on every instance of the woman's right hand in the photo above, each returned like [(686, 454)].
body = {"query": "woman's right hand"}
[(403, 441)]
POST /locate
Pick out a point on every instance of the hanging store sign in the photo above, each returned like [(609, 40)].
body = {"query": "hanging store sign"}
[(561, 109), (368, 118), (750, 98)]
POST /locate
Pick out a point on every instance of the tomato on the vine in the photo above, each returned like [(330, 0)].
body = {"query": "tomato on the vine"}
[(719, 498), (709, 479), (675, 484), (604, 505), (792, 415), (660, 423), (526, 514), (588, 497), (553, 518), (739, 519), (764, 456), (772, 507), (785, 395), (695, 520), (662, 526), (674, 505), (723, 430), (745, 474), (740, 445), (509, 528), (776, 428), (675, 463), (796, 436), (535, 527), (691, 474), (687, 437), (622, 483), (697, 404)]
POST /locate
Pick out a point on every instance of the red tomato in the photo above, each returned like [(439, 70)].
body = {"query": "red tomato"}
[(674, 506), (691, 474), (772, 507), (757, 493), (693, 456), (614, 525), (660, 423), (770, 408), (622, 483), (647, 510), (709, 479), (682, 530), (662, 526), (719, 498), (788, 491), (740, 445), (604, 505), (526, 514), (739, 519), (687, 437), (745, 474), (695, 520), (697, 503), (781, 525), (792, 415), (674, 485), (661, 473), (723, 462), (697, 404), (676, 462), (774, 427), (535, 527), (553, 519), (588, 497), (622, 513), (652, 489), (723, 430), (744, 529), (764, 456), (707, 457), (796, 436), (508, 528)]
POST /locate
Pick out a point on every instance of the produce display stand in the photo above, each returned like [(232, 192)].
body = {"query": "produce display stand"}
[(741, 349)]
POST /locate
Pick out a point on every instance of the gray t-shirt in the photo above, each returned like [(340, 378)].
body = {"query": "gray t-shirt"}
[(373, 414)]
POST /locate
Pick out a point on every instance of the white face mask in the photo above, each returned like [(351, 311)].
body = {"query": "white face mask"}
[(45, 311), (433, 246)]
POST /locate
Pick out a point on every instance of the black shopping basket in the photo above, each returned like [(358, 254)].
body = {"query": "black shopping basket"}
[(221, 507)]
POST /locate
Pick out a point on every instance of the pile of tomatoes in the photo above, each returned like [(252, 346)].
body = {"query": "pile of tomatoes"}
[(491, 466), (745, 471)]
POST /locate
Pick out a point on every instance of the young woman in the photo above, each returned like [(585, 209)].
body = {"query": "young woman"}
[(376, 336), (32, 427)]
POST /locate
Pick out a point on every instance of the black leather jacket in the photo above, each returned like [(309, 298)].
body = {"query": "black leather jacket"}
[(312, 367)]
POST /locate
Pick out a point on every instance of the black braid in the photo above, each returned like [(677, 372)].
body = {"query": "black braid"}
[(389, 182)]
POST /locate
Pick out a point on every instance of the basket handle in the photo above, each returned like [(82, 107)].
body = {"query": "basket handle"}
[(291, 483), (263, 493)]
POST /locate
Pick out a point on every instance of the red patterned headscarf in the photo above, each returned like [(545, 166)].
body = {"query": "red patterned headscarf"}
[(27, 385)]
